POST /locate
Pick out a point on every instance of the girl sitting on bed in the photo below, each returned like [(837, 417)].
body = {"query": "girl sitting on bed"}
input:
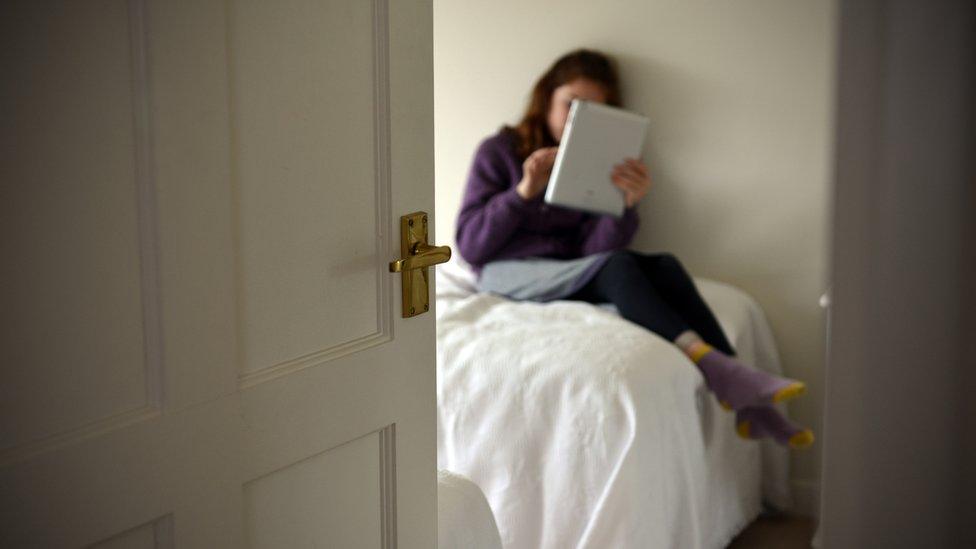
[(528, 250)]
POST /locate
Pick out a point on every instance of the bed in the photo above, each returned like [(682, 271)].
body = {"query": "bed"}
[(464, 518), (585, 430)]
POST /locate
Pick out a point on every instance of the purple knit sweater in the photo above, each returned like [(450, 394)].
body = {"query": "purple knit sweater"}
[(496, 223)]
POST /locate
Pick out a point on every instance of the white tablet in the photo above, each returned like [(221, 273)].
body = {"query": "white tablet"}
[(596, 138)]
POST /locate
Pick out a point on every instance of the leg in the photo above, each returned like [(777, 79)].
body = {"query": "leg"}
[(621, 281), (678, 289)]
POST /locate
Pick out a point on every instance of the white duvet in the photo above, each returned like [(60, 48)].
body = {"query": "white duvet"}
[(585, 430)]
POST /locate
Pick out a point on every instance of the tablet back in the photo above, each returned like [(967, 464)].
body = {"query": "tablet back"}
[(596, 138)]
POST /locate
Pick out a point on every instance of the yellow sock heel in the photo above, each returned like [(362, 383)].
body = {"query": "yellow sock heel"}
[(697, 351), (790, 391), (743, 429), (802, 439)]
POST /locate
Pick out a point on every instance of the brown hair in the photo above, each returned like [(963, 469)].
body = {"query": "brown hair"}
[(532, 132)]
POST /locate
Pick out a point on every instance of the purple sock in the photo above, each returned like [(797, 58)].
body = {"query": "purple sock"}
[(738, 386), (757, 422)]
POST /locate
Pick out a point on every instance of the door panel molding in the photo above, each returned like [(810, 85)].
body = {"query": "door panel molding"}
[(383, 332), (300, 495), (77, 435), (148, 252), (388, 500), (155, 534), (147, 214)]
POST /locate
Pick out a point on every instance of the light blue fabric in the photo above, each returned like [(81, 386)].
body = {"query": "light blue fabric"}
[(539, 279)]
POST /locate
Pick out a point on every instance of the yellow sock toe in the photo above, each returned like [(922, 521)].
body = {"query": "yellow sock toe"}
[(802, 439), (790, 391), (743, 429)]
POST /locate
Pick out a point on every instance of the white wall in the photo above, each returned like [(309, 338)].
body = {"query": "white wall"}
[(740, 99)]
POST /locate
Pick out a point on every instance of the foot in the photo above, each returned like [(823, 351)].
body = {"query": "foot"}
[(757, 422), (738, 386)]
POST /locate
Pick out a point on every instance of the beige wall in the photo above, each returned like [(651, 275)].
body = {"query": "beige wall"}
[(740, 100)]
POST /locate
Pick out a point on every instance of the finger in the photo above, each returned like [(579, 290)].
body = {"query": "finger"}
[(626, 184), (633, 171), (632, 181), (636, 165), (641, 181), (542, 153), (637, 193), (623, 171), (639, 166), (620, 183), (626, 167)]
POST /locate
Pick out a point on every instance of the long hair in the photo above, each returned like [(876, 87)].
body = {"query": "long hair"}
[(532, 132)]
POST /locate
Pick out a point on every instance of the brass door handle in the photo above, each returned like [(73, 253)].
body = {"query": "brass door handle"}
[(421, 255), (416, 255)]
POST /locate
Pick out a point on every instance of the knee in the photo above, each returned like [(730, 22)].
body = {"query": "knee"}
[(622, 262), (666, 271), (622, 272), (670, 263), (664, 262)]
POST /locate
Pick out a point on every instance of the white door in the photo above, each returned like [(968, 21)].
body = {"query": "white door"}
[(202, 342)]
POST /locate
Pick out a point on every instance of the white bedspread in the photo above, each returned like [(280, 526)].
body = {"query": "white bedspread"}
[(585, 430)]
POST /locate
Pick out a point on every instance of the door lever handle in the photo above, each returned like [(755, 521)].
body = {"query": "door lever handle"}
[(421, 255), (416, 255)]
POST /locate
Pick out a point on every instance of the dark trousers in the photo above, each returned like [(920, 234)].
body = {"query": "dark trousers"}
[(655, 291)]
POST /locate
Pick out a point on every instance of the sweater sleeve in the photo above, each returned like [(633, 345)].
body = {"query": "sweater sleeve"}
[(605, 232), (491, 209)]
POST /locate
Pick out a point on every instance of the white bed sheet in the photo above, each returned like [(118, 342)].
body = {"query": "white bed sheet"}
[(585, 430)]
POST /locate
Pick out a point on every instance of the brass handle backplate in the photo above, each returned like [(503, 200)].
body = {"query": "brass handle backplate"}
[(416, 256)]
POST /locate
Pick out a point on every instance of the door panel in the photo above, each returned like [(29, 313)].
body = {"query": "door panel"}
[(335, 492), (206, 347), (88, 352), (309, 192)]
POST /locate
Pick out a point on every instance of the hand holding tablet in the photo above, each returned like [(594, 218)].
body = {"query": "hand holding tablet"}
[(585, 175), (535, 172), (631, 177)]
